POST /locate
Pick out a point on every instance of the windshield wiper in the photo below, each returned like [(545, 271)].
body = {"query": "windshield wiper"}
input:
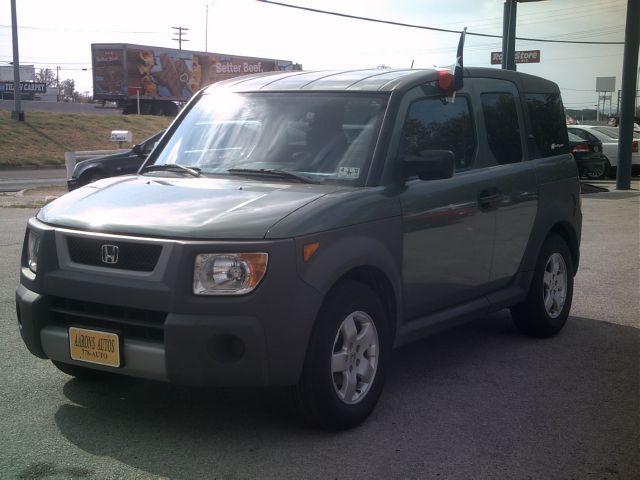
[(271, 172), (171, 167)]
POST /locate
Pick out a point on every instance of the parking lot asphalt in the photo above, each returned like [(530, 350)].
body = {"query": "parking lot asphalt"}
[(477, 401)]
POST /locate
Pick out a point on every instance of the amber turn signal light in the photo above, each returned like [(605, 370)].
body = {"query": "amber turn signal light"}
[(309, 250)]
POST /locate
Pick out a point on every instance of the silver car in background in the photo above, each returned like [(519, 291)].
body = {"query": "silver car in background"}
[(609, 137)]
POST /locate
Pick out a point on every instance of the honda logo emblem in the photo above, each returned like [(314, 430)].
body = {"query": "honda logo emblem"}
[(109, 254)]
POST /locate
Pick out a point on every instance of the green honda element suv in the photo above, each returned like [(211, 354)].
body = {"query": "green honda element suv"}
[(291, 229)]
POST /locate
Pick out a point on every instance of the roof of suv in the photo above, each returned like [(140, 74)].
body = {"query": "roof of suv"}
[(370, 80)]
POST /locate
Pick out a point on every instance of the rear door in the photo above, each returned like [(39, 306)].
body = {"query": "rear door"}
[(514, 196)]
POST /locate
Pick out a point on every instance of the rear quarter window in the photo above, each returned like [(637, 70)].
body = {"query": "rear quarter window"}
[(548, 126)]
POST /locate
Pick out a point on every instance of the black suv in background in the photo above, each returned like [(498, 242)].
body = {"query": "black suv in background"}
[(292, 229), (121, 163)]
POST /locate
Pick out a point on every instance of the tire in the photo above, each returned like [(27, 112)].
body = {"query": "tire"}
[(323, 396), (535, 318), (81, 373), (600, 174), (613, 172)]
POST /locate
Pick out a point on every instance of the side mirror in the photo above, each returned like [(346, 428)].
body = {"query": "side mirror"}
[(430, 165), (137, 149)]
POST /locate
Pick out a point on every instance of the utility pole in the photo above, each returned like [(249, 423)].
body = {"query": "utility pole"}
[(206, 28), (629, 79), (180, 33), (17, 113)]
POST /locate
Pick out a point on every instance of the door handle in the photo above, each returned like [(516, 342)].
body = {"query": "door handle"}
[(489, 198)]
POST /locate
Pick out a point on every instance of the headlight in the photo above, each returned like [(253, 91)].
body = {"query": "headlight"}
[(228, 273), (33, 248)]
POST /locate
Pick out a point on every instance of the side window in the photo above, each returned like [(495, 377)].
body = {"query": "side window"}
[(434, 124), (548, 125), (501, 123)]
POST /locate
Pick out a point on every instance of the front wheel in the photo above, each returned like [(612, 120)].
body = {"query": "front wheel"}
[(545, 310), (347, 358)]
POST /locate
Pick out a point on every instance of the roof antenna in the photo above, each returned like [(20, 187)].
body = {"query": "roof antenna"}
[(412, 63)]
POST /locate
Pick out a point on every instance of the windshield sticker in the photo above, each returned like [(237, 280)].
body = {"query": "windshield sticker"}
[(349, 172)]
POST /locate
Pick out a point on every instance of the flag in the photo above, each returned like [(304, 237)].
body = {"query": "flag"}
[(459, 65)]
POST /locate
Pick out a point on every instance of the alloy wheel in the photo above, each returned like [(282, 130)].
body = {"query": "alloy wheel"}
[(554, 291), (354, 359)]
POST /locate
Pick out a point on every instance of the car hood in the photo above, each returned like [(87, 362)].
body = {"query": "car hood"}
[(202, 208)]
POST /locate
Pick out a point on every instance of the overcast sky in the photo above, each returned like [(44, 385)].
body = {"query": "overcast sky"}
[(61, 32)]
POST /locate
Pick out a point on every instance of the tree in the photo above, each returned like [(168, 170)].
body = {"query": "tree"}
[(46, 75), (68, 89)]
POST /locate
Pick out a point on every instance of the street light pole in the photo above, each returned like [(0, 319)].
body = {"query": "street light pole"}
[(206, 28), (17, 113)]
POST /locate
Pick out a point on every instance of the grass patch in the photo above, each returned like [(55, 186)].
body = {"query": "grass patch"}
[(45, 136)]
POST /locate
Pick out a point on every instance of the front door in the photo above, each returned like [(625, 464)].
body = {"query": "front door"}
[(448, 225)]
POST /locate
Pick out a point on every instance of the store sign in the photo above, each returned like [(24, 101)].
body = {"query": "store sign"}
[(25, 87), (522, 56)]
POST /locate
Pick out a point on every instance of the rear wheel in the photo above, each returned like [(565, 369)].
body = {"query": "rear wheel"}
[(81, 373), (598, 172), (545, 310), (346, 360)]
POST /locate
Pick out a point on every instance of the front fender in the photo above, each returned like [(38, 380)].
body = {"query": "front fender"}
[(375, 244)]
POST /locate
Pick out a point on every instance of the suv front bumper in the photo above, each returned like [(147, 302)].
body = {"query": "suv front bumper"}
[(252, 340)]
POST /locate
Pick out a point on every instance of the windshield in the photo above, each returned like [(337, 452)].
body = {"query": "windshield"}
[(322, 136)]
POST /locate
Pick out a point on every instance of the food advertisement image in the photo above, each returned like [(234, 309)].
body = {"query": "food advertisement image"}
[(162, 73)]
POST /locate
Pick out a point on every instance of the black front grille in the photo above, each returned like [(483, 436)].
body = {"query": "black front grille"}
[(131, 322), (141, 257)]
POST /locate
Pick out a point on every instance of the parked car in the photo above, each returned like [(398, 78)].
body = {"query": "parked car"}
[(609, 137), (589, 157), (291, 229), (121, 163)]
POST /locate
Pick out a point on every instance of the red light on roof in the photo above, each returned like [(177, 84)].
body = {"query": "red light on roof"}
[(445, 80)]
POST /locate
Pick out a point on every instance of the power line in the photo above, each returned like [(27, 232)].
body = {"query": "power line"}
[(547, 16), (28, 27), (424, 27)]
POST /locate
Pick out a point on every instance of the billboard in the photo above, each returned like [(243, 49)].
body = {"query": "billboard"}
[(167, 74), (605, 84), (522, 56), (25, 87)]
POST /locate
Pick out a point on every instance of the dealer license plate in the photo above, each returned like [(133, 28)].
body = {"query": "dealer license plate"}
[(94, 346)]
